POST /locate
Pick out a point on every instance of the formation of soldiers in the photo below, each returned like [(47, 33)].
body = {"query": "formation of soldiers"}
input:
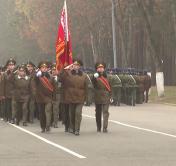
[(128, 86), (42, 92)]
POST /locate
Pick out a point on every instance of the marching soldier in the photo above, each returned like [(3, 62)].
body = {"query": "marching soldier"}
[(116, 85), (56, 97), (102, 91), (140, 79), (43, 89), (31, 105), (21, 84), (147, 85), (89, 96), (1, 93), (64, 109), (129, 88), (8, 88), (75, 89)]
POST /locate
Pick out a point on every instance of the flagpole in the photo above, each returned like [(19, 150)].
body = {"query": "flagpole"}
[(66, 24), (66, 21), (114, 34)]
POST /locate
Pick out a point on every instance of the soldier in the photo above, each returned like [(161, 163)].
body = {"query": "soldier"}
[(21, 93), (147, 85), (102, 91), (32, 103), (116, 85), (64, 109), (140, 91), (63, 106), (1, 93), (129, 88), (122, 77), (43, 89), (8, 88), (56, 97), (75, 89), (89, 96)]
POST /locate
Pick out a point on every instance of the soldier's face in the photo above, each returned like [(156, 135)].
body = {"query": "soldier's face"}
[(101, 69), (21, 73), (76, 67), (54, 72), (30, 68), (44, 69), (11, 67)]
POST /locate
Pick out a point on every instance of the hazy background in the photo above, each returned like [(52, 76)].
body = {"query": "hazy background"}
[(145, 32)]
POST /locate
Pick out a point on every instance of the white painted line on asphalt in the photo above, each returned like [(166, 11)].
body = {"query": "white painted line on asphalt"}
[(50, 142), (135, 127), (171, 104)]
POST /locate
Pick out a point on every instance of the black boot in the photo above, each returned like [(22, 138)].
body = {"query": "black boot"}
[(24, 124), (77, 132), (43, 130), (13, 121), (47, 129), (98, 130), (105, 130), (55, 126)]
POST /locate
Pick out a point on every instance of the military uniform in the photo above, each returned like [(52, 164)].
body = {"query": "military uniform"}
[(140, 90), (64, 109), (75, 89), (89, 96), (43, 89), (21, 95), (32, 102), (56, 96), (129, 89), (102, 92), (147, 86), (1, 95), (116, 85), (8, 89)]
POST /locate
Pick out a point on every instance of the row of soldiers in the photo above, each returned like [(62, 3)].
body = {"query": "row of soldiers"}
[(27, 92), (129, 86), (52, 93)]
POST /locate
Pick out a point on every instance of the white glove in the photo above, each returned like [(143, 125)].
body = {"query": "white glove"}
[(111, 100), (26, 77), (96, 75), (39, 73)]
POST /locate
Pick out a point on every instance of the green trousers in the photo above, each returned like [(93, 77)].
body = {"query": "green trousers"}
[(75, 116)]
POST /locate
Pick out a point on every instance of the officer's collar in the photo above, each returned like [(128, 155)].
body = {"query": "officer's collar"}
[(77, 72)]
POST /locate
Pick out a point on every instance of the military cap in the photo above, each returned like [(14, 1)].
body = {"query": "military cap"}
[(98, 65), (77, 62), (42, 64), (22, 67), (53, 66), (30, 63), (10, 61)]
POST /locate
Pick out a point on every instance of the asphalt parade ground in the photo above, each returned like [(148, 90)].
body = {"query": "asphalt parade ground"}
[(144, 135)]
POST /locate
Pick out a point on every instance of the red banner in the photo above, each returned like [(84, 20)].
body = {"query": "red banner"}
[(63, 42)]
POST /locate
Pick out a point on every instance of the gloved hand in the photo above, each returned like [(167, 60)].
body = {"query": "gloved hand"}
[(96, 75), (111, 100), (39, 73)]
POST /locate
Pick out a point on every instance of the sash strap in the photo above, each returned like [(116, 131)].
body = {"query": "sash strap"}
[(105, 82), (46, 83)]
